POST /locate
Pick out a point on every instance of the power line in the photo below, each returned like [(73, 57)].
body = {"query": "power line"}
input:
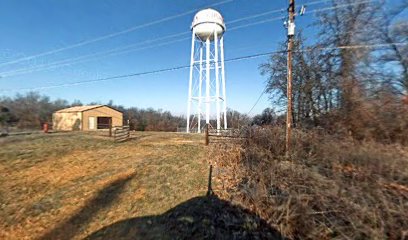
[(314, 11), (315, 2), (257, 15), (132, 74), (85, 58), (188, 66), (270, 12), (281, 10), (255, 23), (121, 50), (97, 53), (340, 6), (358, 46), (138, 27), (115, 51), (132, 29), (259, 98), (109, 52)]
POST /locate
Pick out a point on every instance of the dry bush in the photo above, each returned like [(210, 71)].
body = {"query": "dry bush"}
[(383, 120), (329, 188)]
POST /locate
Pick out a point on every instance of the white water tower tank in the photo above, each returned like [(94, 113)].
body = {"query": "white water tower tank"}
[(206, 22)]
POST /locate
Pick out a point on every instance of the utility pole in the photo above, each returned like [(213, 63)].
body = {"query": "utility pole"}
[(291, 35)]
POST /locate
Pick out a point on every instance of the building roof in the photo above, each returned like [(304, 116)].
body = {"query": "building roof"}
[(79, 108)]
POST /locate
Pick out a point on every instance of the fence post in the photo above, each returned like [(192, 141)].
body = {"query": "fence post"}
[(110, 127), (207, 137)]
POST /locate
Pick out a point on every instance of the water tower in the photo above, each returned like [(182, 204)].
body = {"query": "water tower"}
[(207, 74)]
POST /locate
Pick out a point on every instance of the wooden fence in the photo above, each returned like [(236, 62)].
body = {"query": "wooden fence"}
[(121, 134), (222, 134)]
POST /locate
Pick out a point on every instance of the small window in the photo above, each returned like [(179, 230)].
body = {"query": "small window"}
[(104, 122)]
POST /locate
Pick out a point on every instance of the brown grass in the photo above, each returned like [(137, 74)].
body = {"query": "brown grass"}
[(330, 188), (74, 184)]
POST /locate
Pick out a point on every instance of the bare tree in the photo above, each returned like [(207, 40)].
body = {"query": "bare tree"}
[(311, 84), (394, 31)]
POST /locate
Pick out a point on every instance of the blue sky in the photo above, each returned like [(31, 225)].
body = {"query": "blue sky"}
[(34, 26)]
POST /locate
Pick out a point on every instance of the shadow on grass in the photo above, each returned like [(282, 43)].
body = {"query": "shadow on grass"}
[(206, 217), (103, 199)]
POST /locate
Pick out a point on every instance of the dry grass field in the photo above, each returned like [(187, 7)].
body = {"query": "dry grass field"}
[(84, 186), (63, 186)]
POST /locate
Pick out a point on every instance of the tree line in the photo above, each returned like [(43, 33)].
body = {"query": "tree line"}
[(353, 78), (32, 110)]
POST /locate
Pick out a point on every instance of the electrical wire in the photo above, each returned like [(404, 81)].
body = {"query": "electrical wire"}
[(315, 2), (111, 50), (121, 50), (115, 51), (339, 6), (358, 46), (256, 15), (111, 35), (139, 27), (85, 58), (255, 23), (188, 66), (259, 98), (270, 12), (314, 11)]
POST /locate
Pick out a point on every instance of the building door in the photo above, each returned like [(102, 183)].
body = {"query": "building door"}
[(91, 123)]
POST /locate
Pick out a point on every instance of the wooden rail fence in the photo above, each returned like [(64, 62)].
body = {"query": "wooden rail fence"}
[(121, 134), (222, 134)]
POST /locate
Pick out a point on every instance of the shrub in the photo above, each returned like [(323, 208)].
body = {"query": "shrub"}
[(329, 187)]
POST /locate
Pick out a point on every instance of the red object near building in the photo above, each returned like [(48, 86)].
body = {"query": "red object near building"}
[(45, 127), (405, 99)]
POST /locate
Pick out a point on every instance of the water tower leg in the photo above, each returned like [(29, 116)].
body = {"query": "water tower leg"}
[(190, 83), (224, 95), (207, 82), (200, 87), (217, 81)]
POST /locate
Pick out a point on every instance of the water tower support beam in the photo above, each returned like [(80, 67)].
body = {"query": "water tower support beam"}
[(207, 82), (217, 81), (224, 95), (190, 82), (200, 88)]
